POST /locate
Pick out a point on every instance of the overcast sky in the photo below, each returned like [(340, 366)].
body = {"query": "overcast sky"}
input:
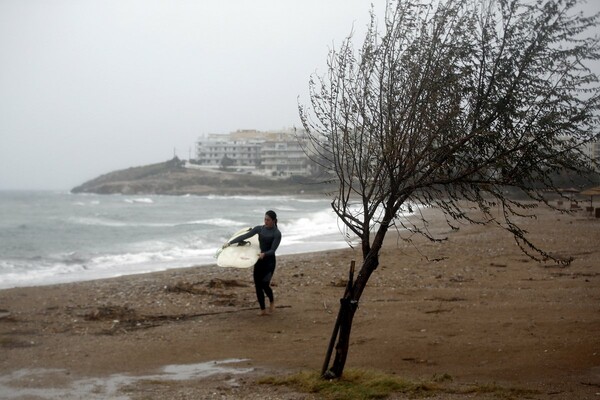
[(91, 86)]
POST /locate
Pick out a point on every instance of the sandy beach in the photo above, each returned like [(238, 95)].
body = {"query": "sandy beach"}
[(473, 308)]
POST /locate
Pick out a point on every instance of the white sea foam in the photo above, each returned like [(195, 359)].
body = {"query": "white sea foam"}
[(97, 221), (213, 221), (85, 204), (316, 224), (271, 199), (141, 200), (308, 200), (105, 266)]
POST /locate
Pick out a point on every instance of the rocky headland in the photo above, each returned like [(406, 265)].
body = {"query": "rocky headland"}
[(174, 178)]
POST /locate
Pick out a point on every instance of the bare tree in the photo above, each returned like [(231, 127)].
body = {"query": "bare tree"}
[(463, 100)]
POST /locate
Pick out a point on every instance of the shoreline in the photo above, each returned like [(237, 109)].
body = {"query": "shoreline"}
[(97, 238), (163, 270), (474, 308)]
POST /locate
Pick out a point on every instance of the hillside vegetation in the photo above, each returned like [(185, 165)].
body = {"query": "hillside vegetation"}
[(173, 178)]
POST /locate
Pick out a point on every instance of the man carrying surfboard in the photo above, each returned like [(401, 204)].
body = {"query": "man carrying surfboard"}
[(269, 238)]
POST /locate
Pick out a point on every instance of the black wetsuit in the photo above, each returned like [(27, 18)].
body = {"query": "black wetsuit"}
[(269, 239)]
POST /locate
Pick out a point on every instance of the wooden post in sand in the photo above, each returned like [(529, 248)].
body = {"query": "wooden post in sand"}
[(336, 328)]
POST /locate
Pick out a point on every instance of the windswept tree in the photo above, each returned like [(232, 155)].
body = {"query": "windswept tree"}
[(451, 103)]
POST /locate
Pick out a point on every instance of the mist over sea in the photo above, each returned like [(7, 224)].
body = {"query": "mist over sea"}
[(54, 237)]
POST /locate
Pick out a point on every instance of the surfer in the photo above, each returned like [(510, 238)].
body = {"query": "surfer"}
[(269, 238)]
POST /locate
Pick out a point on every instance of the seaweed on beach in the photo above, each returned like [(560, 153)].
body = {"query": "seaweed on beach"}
[(200, 287), (124, 319), (110, 313), (14, 343)]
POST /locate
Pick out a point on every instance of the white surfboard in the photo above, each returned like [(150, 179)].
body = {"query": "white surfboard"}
[(239, 255)]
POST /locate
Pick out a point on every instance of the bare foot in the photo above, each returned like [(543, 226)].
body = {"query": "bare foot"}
[(262, 313)]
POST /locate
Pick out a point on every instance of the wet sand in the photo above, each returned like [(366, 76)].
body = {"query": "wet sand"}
[(473, 307)]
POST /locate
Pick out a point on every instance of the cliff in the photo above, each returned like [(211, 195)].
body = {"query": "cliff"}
[(173, 178)]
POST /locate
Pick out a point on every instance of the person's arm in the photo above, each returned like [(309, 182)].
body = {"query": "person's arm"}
[(245, 236)]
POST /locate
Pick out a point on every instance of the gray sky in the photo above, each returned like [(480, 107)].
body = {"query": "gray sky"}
[(91, 86)]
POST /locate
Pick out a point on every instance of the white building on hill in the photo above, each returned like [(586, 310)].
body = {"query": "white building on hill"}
[(218, 151), (274, 153)]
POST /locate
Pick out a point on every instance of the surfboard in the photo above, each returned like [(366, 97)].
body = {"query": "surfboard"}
[(239, 255)]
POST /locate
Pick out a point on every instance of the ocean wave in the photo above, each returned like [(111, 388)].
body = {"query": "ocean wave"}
[(311, 200), (8, 265), (84, 204), (282, 209), (97, 222), (103, 266), (315, 223), (92, 221), (141, 258), (214, 222), (142, 200), (273, 199), (74, 239)]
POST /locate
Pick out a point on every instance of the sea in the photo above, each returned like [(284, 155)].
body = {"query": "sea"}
[(49, 237)]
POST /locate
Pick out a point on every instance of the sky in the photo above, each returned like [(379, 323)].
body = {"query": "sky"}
[(92, 86)]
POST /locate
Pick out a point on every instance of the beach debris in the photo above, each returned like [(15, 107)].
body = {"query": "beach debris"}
[(187, 287), (6, 316), (110, 313), (225, 283), (450, 299), (438, 310), (15, 343), (200, 287), (123, 319), (339, 283), (460, 279)]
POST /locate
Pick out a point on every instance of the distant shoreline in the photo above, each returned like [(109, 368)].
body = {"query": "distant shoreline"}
[(171, 178)]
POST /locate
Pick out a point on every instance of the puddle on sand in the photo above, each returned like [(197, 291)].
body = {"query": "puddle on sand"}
[(26, 383)]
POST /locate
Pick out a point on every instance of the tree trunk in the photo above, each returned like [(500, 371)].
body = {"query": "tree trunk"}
[(336, 328), (348, 310), (348, 307)]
